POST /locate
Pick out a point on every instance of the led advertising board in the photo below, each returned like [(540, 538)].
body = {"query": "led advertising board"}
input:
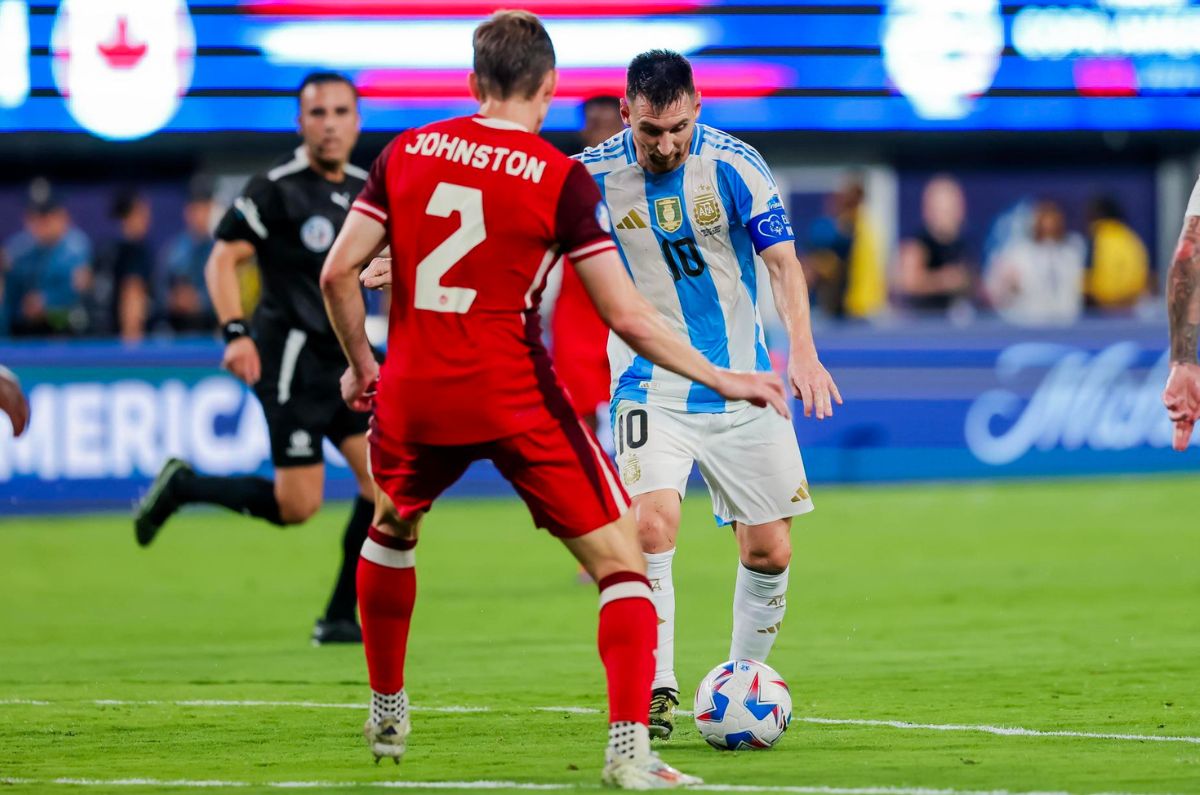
[(126, 69)]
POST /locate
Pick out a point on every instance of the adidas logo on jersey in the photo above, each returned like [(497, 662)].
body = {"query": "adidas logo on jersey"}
[(632, 221)]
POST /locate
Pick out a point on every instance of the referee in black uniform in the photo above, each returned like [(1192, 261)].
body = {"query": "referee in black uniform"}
[(288, 217)]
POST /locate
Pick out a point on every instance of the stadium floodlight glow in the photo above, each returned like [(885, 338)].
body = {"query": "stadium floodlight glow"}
[(941, 55), (420, 44), (123, 65), (14, 53)]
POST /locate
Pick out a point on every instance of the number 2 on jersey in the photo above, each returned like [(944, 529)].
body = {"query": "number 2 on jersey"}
[(431, 294)]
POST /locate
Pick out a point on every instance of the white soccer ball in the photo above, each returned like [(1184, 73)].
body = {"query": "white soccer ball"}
[(742, 704)]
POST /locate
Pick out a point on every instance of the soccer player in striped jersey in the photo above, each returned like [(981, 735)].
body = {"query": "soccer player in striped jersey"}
[(693, 210)]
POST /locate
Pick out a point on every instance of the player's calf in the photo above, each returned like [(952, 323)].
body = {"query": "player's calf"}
[(760, 592)]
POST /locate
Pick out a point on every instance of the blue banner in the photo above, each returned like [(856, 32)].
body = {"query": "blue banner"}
[(923, 402)]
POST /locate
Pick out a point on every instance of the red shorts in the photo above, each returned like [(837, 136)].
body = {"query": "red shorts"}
[(586, 382), (569, 484)]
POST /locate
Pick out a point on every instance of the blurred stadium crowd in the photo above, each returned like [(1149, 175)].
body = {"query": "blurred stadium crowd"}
[(129, 266)]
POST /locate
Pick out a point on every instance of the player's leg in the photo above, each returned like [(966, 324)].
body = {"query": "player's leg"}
[(177, 484), (295, 428), (572, 490), (408, 479), (655, 450), (338, 623), (755, 474), (760, 591), (387, 589)]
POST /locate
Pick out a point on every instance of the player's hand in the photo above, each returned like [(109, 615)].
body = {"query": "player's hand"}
[(377, 274), (12, 401), (760, 389), (358, 387), (813, 384), (241, 359), (1182, 399)]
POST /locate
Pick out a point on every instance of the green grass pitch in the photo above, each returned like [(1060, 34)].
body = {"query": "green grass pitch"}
[(1056, 606)]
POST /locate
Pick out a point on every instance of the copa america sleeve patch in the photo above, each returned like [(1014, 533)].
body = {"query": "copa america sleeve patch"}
[(770, 228)]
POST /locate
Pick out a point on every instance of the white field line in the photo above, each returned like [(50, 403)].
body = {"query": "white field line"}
[(500, 786), (1001, 731)]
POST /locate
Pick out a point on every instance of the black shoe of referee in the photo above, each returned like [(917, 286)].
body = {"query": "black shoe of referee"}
[(160, 501), (336, 630)]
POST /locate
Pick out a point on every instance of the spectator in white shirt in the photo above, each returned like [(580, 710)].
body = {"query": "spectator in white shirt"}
[(1038, 280)]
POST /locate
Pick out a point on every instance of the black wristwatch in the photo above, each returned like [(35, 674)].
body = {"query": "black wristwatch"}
[(234, 329)]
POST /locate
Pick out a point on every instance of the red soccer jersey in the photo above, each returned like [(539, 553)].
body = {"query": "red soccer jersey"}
[(478, 210)]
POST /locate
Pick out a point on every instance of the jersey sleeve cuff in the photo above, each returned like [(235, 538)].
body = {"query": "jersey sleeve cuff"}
[(370, 210), (589, 250)]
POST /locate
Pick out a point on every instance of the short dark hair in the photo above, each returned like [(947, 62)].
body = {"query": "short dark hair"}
[(513, 53), (324, 78), (660, 77), (1105, 208), (124, 201), (602, 101)]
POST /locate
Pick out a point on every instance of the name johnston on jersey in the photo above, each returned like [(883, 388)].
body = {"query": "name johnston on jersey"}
[(481, 156)]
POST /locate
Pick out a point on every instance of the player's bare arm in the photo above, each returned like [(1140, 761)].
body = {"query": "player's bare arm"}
[(809, 379), (220, 275), (637, 322), (1182, 394), (361, 239)]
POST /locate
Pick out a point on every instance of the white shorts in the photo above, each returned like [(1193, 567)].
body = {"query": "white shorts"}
[(749, 458)]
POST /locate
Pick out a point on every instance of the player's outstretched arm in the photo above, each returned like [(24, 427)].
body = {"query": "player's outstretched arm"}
[(1182, 394), (637, 322), (220, 276), (360, 239), (809, 379)]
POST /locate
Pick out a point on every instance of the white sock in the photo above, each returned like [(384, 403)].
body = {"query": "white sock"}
[(759, 602), (389, 705), (627, 740), (662, 594)]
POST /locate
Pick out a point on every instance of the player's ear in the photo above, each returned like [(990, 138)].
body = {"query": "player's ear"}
[(698, 103), (625, 112), (549, 85), (473, 85)]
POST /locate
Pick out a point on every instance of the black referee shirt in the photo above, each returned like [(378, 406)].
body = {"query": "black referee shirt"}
[(291, 215)]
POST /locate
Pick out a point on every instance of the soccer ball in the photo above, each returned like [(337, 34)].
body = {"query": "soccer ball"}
[(742, 704)]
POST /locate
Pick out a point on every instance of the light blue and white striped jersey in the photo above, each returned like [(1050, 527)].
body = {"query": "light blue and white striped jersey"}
[(689, 239)]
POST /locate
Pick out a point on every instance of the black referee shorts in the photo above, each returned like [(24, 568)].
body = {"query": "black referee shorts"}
[(301, 396)]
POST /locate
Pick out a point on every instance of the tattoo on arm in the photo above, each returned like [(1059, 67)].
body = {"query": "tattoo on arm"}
[(1183, 293)]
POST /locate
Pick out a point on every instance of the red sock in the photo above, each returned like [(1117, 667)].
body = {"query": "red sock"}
[(387, 589), (628, 637)]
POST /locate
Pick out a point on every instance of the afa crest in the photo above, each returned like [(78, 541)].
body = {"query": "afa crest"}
[(669, 212), (631, 470), (706, 209)]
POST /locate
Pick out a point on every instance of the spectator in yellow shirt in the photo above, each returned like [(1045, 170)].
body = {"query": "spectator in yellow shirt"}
[(1118, 273)]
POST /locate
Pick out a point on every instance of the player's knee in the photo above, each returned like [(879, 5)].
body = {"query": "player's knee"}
[(392, 524), (767, 557), (297, 508), (656, 530)]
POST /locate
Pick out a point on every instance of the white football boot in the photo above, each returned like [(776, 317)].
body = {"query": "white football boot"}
[(644, 772), (388, 737)]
